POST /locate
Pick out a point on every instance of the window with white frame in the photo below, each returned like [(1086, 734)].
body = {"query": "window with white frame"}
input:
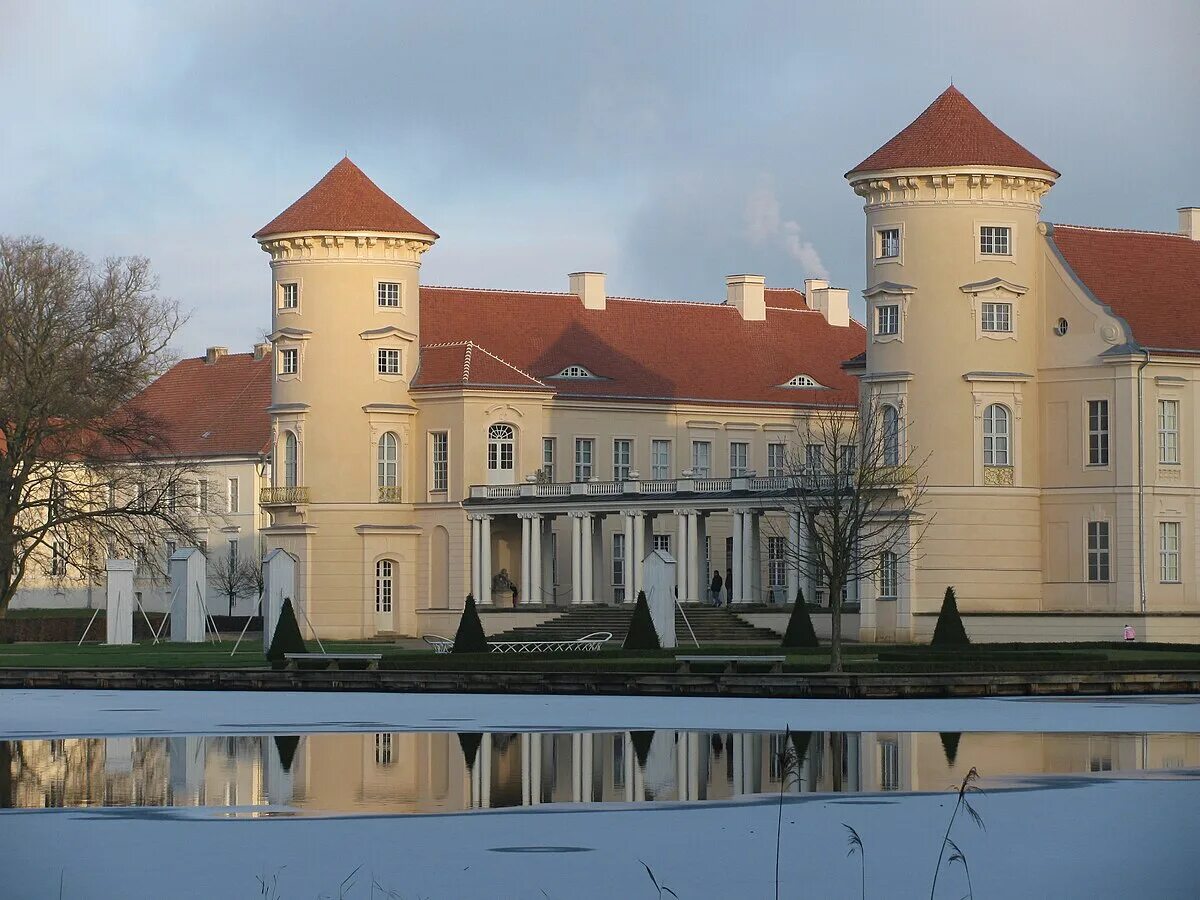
[(289, 361), (889, 765), (233, 502), (803, 381), (1168, 552), (889, 576), (997, 427), (1168, 431), (847, 459), (388, 294), (660, 460), (388, 361), (549, 448), (662, 542), (776, 562), (383, 586), (776, 460), (739, 459), (58, 561), (169, 497), (383, 749), (995, 240), (289, 295), (170, 548), (585, 451), (232, 549), (618, 567), (439, 453), (1097, 412), (139, 496), (814, 458), (887, 243), (501, 442), (996, 317), (202, 495), (388, 461), (622, 453), (1098, 552), (290, 460), (701, 459), (575, 372), (891, 435), (887, 319)]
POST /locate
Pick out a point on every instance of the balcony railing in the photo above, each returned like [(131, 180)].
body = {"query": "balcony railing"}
[(390, 493), (823, 482), (283, 496)]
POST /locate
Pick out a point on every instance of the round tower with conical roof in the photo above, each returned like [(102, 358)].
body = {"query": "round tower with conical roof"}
[(345, 326), (952, 249)]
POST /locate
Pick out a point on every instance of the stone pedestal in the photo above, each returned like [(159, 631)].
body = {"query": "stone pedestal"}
[(118, 617), (658, 573), (279, 584), (189, 580)]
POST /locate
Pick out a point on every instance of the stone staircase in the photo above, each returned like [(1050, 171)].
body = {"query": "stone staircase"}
[(711, 625)]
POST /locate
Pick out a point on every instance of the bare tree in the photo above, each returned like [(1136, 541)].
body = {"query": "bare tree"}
[(232, 577), (857, 493), (85, 471)]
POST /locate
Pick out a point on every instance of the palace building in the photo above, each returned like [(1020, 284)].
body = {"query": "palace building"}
[(531, 448)]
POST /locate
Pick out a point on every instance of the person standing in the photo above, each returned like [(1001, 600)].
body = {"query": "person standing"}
[(729, 587), (1130, 634), (715, 588)]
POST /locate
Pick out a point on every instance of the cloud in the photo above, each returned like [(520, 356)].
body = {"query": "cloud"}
[(765, 225)]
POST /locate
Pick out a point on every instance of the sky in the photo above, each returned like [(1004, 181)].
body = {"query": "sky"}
[(668, 144)]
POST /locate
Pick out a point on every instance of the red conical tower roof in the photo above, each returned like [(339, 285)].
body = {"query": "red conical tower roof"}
[(951, 132), (345, 200)]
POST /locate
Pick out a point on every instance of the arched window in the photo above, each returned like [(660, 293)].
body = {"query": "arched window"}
[(574, 372), (996, 435), (803, 381), (383, 586), (289, 459), (388, 454), (500, 448), (891, 436)]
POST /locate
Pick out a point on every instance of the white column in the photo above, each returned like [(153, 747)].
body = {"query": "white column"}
[(535, 559), (599, 569), (792, 560), (485, 560), (639, 553), (586, 545), (630, 766), (631, 587), (535, 769), (694, 556), (484, 762), (526, 555), (746, 557), (576, 557), (700, 527), (526, 777), (681, 556), (587, 748), (756, 593), (475, 559), (577, 767), (681, 773), (735, 587)]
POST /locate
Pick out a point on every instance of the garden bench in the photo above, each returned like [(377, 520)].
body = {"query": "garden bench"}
[(731, 662), (589, 642), (332, 659)]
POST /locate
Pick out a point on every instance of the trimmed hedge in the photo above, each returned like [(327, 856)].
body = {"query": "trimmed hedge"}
[(949, 631), (470, 637), (287, 637), (642, 634)]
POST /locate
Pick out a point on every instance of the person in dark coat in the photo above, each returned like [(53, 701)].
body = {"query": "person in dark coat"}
[(715, 588), (729, 587)]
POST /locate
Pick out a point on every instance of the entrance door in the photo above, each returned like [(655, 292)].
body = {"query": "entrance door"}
[(501, 440), (384, 593)]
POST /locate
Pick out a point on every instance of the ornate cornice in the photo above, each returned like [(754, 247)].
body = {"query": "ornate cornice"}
[(971, 185), (351, 247)]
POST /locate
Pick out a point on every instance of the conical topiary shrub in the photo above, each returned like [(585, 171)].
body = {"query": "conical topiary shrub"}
[(641, 741), (470, 637), (642, 634), (287, 745), (950, 741), (288, 638), (800, 631), (949, 631), (469, 742)]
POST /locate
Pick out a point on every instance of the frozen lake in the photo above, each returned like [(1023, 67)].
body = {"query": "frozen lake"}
[(195, 794)]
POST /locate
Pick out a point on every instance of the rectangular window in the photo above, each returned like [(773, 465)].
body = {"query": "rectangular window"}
[(887, 244), (847, 459), (1098, 433), (289, 295), (58, 562), (701, 459), (389, 294), (202, 495), (995, 240), (1168, 552), (662, 542), (739, 459), (234, 500), (775, 562), (622, 451), (548, 447), (618, 760), (1098, 568), (814, 458), (887, 319), (776, 460), (171, 547), (889, 575), (584, 451), (389, 361), (889, 766), (289, 361), (170, 499), (996, 317), (618, 567), (383, 749), (439, 453), (233, 553), (660, 460), (1168, 431)]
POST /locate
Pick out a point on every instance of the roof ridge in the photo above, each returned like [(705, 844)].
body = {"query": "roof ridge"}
[(505, 362), (1174, 234), (467, 362), (618, 298)]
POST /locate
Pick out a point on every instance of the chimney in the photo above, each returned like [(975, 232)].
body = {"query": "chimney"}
[(261, 351), (1189, 222), (212, 354), (811, 286), (833, 304), (588, 287), (747, 293)]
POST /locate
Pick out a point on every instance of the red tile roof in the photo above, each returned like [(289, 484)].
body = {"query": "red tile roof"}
[(951, 132), (1149, 279), (217, 409), (465, 363), (644, 349), (345, 200)]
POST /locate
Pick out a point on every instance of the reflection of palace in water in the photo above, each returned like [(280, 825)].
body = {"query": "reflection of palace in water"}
[(422, 772)]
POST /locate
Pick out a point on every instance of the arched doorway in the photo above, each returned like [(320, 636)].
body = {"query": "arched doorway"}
[(501, 454)]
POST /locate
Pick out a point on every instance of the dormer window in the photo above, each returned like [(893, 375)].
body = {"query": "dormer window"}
[(803, 381), (574, 372)]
